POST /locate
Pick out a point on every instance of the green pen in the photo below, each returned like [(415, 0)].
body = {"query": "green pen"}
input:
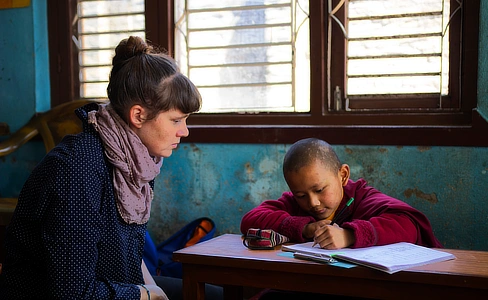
[(337, 216), (342, 211)]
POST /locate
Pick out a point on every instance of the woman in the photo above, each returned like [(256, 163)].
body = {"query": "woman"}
[(78, 230)]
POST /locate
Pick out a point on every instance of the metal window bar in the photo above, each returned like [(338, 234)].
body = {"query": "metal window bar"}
[(182, 25), (437, 32), (391, 37), (390, 17), (114, 11), (234, 47)]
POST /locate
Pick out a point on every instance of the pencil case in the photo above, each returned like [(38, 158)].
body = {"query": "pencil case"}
[(263, 239)]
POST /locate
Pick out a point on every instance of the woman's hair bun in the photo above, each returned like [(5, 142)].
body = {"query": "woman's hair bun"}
[(131, 47)]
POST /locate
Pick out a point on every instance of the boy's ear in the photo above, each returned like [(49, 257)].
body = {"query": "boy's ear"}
[(345, 174), (137, 116)]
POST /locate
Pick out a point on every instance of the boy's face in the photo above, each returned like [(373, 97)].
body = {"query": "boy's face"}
[(318, 190)]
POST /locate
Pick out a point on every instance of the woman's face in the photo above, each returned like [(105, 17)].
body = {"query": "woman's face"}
[(317, 189), (162, 134)]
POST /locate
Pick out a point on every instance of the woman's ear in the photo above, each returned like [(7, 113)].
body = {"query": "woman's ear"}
[(137, 116), (345, 174)]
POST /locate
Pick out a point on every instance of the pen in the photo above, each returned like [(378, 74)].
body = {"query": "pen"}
[(342, 211), (317, 258), (337, 216)]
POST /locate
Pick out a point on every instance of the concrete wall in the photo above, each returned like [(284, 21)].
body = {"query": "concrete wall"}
[(223, 181)]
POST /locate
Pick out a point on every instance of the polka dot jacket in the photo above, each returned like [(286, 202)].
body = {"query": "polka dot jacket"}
[(66, 239)]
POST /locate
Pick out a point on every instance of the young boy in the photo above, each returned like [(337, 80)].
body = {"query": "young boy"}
[(319, 189)]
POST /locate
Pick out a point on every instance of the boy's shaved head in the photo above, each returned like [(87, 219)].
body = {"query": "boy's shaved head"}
[(308, 151)]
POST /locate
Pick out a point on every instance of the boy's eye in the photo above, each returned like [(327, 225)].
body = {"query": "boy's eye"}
[(319, 190)]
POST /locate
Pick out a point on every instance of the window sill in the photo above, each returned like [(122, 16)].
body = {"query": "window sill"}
[(473, 134)]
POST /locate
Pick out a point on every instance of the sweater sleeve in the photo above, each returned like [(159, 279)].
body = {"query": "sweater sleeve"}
[(387, 228), (282, 215), (379, 219), (71, 232)]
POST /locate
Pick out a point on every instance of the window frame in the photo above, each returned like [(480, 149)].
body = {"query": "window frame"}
[(463, 127)]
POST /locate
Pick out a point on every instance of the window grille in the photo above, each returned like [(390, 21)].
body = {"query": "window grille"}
[(245, 55), (101, 26), (395, 47), (251, 56)]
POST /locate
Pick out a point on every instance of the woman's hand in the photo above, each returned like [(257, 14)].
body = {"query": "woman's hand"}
[(155, 291)]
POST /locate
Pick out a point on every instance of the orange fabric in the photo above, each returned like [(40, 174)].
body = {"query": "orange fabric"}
[(200, 231)]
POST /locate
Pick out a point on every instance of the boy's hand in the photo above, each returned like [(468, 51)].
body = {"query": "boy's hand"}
[(309, 230), (333, 237)]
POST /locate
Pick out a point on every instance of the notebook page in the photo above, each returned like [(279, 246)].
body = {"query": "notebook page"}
[(389, 258)]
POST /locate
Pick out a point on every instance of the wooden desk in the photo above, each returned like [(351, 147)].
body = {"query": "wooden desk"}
[(225, 261)]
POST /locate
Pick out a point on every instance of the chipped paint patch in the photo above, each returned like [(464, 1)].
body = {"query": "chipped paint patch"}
[(356, 169), (370, 169), (260, 190), (194, 147), (249, 172), (432, 198), (268, 166), (249, 168), (423, 148)]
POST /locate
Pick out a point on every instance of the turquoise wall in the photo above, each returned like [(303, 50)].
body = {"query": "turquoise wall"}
[(24, 63), (483, 61), (24, 85), (223, 181)]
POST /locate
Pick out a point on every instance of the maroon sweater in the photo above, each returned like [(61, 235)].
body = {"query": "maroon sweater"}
[(375, 218)]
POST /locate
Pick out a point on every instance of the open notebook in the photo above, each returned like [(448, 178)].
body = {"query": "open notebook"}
[(388, 258)]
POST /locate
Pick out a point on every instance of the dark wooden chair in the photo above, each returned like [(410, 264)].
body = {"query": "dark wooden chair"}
[(51, 125)]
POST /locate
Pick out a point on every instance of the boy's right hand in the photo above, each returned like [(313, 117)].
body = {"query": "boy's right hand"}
[(308, 231), (329, 236)]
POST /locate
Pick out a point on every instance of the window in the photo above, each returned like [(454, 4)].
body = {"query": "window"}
[(245, 56), (398, 50), (308, 66), (101, 26)]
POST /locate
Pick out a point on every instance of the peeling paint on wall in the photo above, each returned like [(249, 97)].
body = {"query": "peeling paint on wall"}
[(432, 198), (423, 148)]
